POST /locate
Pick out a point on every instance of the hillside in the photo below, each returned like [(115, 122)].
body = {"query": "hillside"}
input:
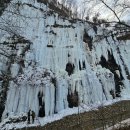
[(100, 118), (51, 63)]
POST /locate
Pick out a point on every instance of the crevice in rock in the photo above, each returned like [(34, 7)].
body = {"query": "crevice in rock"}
[(73, 99), (42, 110), (84, 65), (80, 68), (40, 95), (113, 67), (88, 39), (95, 29), (70, 68), (41, 105)]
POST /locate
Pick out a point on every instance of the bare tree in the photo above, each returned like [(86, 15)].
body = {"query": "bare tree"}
[(115, 8)]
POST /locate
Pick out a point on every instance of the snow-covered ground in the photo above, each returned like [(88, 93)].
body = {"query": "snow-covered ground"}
[(122, 124)]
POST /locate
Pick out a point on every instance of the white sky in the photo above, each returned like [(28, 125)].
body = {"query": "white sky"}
[(92, 9)]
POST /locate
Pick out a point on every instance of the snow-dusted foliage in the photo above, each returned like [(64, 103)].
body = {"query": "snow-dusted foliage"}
[(67, 64)]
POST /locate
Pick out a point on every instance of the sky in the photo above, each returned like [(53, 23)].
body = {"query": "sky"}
[(95, 6)]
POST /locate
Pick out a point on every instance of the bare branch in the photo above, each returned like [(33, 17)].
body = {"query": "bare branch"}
[(111, 10)]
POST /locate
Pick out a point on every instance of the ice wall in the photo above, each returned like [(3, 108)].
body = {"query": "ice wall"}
[(62, 67)]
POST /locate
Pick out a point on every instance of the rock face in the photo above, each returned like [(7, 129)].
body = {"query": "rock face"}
[(53, 63)]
